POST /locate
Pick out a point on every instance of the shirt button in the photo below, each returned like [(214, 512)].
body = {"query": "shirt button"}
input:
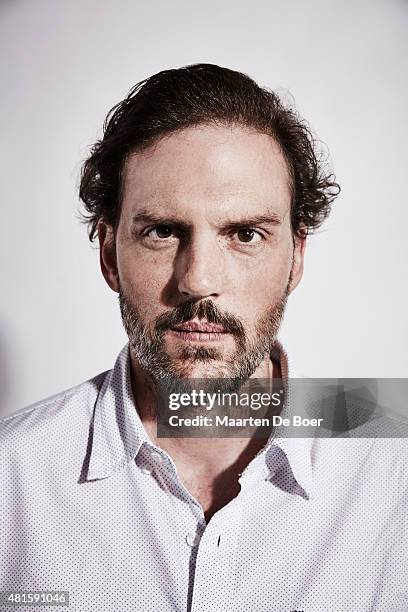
[(192, 539), (146, 469), (156, 457)]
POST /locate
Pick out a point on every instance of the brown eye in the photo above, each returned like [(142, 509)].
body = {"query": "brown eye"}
[(245, 235), (163, 231)]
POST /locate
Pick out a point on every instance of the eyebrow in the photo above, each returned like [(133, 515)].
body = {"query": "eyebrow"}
[(147, 217)]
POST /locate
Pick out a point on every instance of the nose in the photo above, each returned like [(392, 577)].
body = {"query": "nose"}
[(199, 269)]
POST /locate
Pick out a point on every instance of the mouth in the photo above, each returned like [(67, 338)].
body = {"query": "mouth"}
[(199, 331)]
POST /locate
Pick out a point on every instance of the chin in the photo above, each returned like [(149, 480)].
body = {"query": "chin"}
[(199, 370)]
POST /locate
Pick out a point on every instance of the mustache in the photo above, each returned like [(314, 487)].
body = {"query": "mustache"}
[(201, 310)]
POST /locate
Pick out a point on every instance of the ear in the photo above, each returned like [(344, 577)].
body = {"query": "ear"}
[(299, 246), (107, 255)]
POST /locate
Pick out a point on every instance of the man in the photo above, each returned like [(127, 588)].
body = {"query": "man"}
[(201, 192)]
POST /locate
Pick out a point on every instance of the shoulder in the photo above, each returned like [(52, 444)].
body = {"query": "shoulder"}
[(63, 412)]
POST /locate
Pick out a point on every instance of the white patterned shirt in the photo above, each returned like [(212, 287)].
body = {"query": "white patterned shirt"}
[(91, 506)]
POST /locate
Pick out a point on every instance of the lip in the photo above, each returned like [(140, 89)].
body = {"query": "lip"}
[(200, 327), (193, 336), (199, 331)]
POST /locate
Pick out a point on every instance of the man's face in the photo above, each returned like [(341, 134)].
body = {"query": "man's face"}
[(204, 238)]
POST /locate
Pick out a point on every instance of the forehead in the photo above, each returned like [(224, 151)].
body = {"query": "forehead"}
[(210, 170)]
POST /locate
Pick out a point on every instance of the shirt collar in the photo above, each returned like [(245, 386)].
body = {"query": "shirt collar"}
[(118, 432), (297, 450)]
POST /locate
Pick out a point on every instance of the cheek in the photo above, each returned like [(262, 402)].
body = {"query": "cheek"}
[(263, 277), (143, 279), (255, 296), (259, 288)]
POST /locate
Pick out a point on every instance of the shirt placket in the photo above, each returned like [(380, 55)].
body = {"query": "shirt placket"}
[(216, 561)]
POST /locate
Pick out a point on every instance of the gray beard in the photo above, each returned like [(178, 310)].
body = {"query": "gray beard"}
[(230, 375)]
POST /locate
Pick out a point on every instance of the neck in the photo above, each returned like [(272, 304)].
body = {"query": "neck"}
[(199, 456)]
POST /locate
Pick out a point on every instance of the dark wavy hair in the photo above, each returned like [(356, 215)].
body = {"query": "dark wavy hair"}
[(201, 94)]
